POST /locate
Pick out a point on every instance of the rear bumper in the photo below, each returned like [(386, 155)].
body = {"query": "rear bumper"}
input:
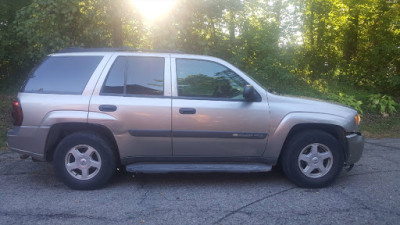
[(28, 140), (355, 147)]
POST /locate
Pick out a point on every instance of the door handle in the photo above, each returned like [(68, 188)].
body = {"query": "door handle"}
[(187, 111), (108, 108)]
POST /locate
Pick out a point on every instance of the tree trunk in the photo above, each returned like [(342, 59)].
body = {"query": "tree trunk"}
[(351, 37), (116, 24)]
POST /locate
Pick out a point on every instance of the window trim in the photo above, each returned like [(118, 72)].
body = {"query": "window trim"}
[(135, 96), (211, 99)]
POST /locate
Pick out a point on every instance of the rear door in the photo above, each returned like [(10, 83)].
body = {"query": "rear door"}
[(210, 117), (133, 99)]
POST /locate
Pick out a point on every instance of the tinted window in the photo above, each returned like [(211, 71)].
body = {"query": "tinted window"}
[(115, 79), (205, 79), (145, 76), (63, 75), (136, 76)]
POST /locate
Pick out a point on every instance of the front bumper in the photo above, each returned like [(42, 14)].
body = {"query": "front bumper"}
[(28, 140), (355, 147)]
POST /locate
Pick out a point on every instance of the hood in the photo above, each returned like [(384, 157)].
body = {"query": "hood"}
[(296, 104)]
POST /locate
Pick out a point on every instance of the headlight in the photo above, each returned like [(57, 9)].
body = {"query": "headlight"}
[(358, 119)]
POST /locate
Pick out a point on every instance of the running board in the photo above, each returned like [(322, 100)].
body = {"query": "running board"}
[(197, 168)]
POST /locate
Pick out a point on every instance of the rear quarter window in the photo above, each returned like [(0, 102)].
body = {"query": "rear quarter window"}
[(62, 75)]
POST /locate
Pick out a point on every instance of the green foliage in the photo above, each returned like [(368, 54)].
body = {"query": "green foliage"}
[(291, 46), (31, 29), (49, 25), (5, 119), (12, 64), (352, 41), (383, 104)]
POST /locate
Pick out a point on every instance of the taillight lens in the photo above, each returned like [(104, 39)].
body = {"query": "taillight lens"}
[(17, 113)]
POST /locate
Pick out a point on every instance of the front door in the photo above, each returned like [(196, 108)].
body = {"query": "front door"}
[(210, 117)]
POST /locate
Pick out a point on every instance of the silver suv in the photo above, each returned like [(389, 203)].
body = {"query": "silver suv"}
[(93, 110)]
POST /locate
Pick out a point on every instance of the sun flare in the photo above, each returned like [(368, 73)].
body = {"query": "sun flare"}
[(153, 9)]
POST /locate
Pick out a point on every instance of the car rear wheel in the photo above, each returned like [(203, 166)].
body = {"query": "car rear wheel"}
[(313, 159), (84, 161)]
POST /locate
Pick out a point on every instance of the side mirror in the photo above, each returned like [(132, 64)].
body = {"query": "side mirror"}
[(250, 94)]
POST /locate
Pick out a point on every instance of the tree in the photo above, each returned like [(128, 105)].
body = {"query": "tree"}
[(276, 41), (10, 47), (354, 41)]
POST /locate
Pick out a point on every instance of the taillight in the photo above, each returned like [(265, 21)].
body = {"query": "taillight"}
[(17, 113)]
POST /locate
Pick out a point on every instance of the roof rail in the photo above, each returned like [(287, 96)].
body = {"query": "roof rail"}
[(122, 49)]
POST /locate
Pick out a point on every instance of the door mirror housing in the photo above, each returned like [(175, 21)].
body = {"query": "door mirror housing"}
[(250, 94)]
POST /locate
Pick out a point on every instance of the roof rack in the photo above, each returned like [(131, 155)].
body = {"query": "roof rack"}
[(122, 49)]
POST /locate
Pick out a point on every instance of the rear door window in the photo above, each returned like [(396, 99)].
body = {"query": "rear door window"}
[(62, 75), (132, 75)]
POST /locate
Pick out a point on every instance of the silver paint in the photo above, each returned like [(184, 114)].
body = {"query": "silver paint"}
[(274, 115)]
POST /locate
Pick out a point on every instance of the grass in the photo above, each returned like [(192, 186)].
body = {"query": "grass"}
[(5, 118), (377, 126)]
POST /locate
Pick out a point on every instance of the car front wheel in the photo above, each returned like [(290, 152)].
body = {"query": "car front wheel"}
[(313, 159)]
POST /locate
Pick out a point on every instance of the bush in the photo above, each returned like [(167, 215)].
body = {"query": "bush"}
[(383, 104)]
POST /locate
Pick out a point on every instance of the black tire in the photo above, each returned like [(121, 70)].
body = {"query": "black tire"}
[(306, 160), (86, 171)]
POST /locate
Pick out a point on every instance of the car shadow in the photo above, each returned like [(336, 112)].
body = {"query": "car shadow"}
[(122, 178)]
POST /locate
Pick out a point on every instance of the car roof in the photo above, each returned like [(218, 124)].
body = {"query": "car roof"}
[(122, 49)]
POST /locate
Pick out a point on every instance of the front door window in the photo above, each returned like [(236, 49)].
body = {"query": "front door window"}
[(208, 80)]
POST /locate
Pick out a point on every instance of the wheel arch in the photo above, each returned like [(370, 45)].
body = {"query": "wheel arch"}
[(336, 131), (296, 122), (59, 131)]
